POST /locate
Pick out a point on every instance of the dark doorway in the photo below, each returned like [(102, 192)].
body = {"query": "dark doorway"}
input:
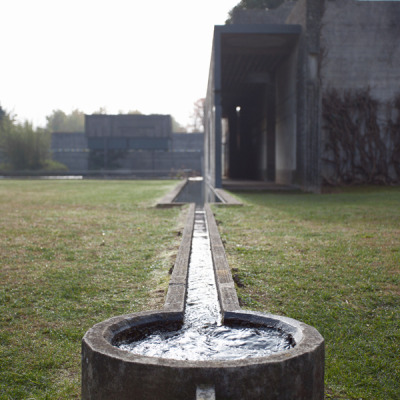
[(248, 68)]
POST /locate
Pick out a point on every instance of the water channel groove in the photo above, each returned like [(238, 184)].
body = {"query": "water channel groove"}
[(203, 335), (109, 372)]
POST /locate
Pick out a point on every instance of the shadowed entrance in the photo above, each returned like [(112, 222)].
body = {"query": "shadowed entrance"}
[(253, 73)]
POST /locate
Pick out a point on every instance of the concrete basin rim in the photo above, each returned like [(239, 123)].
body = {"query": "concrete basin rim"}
[(100, 335)]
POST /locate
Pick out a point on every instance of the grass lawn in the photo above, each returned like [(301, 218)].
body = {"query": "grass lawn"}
[(333, 262), (74, 253)]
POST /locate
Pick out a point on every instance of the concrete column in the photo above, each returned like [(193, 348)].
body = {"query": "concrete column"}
[(286, 124)]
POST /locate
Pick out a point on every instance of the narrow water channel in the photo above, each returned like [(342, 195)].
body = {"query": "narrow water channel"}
[(203, 336), (198, 192)]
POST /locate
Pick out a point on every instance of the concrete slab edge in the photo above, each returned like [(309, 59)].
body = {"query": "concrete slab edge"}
[(225, 285), (168, 199), (226, 198), (176, 295)]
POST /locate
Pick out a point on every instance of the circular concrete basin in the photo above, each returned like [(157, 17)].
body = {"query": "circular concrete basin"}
[(111, 373)]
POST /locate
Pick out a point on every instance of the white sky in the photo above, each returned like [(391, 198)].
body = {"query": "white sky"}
[(146, 55)]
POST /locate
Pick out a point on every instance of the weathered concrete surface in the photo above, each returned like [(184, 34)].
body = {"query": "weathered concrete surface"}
[(225, 285), (360, 42), (361, 52), (136, 141), (168, 199), (227, 198), (344, 45), (111, 373), (205, 392), (308, 14), (285, 120), (176, 295), (71, 149)]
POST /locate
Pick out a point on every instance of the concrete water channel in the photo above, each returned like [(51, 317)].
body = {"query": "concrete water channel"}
[(202, 345)]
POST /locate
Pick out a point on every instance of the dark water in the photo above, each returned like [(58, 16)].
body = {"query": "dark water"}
[(203, 337), (196, 191)]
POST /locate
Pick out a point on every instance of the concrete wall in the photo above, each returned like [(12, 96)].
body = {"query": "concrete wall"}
[(162, 161), (345, 44), (69, 141), (213, 122), (361, 46), (360, 50), (131, 125), (74, 160), (188, 142), (70, 149), (268, 161), (286, 121), (307, 13)]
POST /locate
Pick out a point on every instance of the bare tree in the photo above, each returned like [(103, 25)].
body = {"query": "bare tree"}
[(197, 117)]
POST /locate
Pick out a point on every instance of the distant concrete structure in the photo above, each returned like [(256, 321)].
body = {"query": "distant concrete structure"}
[(135, 132), (269, 73), (137, 144), (70, 149)]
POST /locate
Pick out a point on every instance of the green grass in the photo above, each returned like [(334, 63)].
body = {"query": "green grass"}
[(74, 253), (331, 261)]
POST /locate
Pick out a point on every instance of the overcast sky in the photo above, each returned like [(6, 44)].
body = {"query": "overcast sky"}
[(146, 55)]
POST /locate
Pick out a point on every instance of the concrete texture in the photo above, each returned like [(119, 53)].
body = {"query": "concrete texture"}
[(260, 186), (173, 198), (278, 134), (70, 149), (343, 45), (168, 199), (285, 121), (111, 373), (241, 98), (205, 392), (361, 51), (139, 143), (361, 47), (176, 295), (226, 198), (225, 285), (74, 160), (163, 163), (128, 125), (188, 141), (308, 14)]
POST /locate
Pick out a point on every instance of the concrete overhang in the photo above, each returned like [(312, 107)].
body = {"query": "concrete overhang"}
[(248, 55)]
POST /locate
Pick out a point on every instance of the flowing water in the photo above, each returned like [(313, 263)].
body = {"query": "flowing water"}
[(203, 337)]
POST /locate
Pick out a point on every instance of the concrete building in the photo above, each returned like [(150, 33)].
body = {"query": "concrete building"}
[(70, 149), (143, 145), (272, 84)]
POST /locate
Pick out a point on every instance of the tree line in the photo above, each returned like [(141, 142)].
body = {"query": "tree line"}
[(24, 147), (254, 4)]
